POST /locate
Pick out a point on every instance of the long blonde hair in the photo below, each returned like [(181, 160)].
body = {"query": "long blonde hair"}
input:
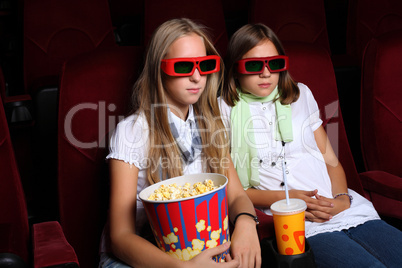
[(148, 91)]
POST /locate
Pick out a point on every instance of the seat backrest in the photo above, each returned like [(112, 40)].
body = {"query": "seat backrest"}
[(368, 19), (312, 65), (381, 109), (209, 13), (55, 31), (293, 20), (95, 93), (14, 231)]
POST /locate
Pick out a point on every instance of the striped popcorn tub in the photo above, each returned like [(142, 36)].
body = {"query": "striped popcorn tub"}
[(186, 226)]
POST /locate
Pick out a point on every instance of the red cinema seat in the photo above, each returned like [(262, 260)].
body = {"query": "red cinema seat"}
[(368, 19), (95, 93), (57, 31), (381, 110), (293, 20), (209, 13), (381, 117), (54, 32), (49, 244)]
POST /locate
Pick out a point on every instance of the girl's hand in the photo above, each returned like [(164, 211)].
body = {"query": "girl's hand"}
[(322, 214), (303, 195), (340, 203), (310, 197), (245, 244), (204, 259), (318, 209)]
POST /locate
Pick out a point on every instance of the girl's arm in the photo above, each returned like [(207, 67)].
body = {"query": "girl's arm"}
[(265, 198), (126, 245), (320, 209), (245, 244), (335, 172), (133, 249)]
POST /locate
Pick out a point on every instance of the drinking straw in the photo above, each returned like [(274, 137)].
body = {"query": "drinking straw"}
[(285, 181)]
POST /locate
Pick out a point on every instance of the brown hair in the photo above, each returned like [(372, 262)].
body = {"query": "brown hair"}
[(149, 92), (241, 42)]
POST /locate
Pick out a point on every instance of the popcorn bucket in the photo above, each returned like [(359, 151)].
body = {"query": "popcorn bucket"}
[(184, 227)]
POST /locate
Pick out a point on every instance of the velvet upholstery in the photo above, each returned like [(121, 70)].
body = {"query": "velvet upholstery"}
[(57, 31), (381, 116), (302, 21), (381, 110), (51, 248), (368, 19), (95, 91), (385, 191), (14, 230), (52, 32), (210, 15)]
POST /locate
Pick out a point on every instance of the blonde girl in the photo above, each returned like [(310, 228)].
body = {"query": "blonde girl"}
[(175, 129)]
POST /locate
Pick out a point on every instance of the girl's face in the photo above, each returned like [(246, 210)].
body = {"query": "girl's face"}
[(262, 84), (186, 90)]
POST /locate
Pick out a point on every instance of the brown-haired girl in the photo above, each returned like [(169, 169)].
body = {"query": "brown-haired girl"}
[(276, 134)]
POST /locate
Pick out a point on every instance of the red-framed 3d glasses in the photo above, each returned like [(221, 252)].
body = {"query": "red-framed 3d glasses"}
[(275, 64), (186, 66)]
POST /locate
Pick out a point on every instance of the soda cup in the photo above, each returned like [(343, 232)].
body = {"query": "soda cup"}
[(289, 225)]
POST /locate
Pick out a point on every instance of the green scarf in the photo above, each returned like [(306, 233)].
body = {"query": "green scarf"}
[(244, 151)]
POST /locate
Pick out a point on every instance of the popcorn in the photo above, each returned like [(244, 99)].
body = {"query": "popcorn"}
[(173, 191), (206, 226)]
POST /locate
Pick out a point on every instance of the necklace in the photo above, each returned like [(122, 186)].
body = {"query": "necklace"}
[(273, 164)]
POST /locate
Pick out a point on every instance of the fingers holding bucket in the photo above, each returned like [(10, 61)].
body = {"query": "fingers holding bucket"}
[(218, 250), (206, 257)]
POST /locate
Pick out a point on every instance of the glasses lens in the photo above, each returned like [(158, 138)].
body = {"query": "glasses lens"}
[(254, 66), (183, 67), (276, 64), (207, 65)]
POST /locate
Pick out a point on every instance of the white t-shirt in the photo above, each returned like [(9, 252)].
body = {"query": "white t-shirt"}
[(130, 143), (305, 166)]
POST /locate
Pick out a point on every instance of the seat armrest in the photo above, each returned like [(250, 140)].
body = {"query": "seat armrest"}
[(266, 226), (50, 247), (382, 183)]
